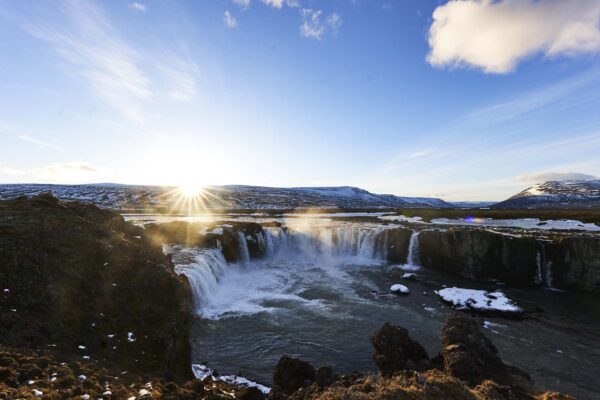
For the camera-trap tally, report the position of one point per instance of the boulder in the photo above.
(396, 351)
(291, 374)
(470, 356)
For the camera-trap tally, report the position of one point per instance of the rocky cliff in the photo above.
(83, 282)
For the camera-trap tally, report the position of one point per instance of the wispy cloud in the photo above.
(88, 42)
(39, 142)
(138, 7)
(495, 36)
(313, 26)
(244, 4)
(555, 176)
(229, 20)
(75, 171)
(180, 78)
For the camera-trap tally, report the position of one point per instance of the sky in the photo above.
(463, 100)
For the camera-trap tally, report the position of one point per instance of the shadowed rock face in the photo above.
(480, 255)
(291, 374)
(470, 356)
(395, 350)
(563, 262)
(397, 244)
(76, 275)
(190, 234)
(574, 263)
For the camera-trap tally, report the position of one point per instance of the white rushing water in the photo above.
(294, 256)
(414, 256)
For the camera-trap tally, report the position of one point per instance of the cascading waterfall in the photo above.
(332, 243)
(213, 281)
(203, 273)
(244, 252)
(414, 256)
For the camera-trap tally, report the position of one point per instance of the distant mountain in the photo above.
(472, 204)
(136, 197)
(556, 194)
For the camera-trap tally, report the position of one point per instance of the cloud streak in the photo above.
(39, 142)
(555, 176)
(495, 36)
(87, 41)
(229, 20)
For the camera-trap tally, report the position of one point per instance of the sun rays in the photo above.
(189, 198)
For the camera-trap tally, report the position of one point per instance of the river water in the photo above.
(324, 288)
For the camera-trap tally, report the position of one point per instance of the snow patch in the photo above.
(202, 372)
(399, 289)
(480, 300)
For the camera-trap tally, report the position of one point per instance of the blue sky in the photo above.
(462, 100)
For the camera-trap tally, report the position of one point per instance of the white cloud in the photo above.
(94, 50)
(311, 26)
(75, 171)
(335, 22)
(274, 3)
(555, 176)
(495, 36)
(229, 19)
(39, 142)
(314, 27)
(242, 3)
(138, 6)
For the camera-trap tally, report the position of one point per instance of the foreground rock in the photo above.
(470, 356)
(85, 284)
(395, 351)
(468, 368)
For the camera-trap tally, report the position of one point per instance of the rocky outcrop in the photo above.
(397, 244)
(470, 356)
(84, 283)
(468, 368)
(228, 236)
(291, 374)
(395, 351)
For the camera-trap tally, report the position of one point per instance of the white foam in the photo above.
(202, 372)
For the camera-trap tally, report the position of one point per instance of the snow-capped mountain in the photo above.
(556, 194)
(133, 197)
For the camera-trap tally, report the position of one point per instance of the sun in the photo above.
(191, 189)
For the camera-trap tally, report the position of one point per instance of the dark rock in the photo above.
(78, 273)
(397, 244)
(395, 350)
(251, 393)
(291, 374)
(470, 356)
(325, 376)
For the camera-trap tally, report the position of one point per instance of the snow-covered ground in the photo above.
(524, 223)
(479, 300)
(202, 372)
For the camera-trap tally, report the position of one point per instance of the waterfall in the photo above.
(213, 280)
(338, 243)
(203, 273)
(414, 256)
(538, 272)
(244, 253)
(543, 268)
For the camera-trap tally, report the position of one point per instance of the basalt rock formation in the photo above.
(555, 260)
(82, 282)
